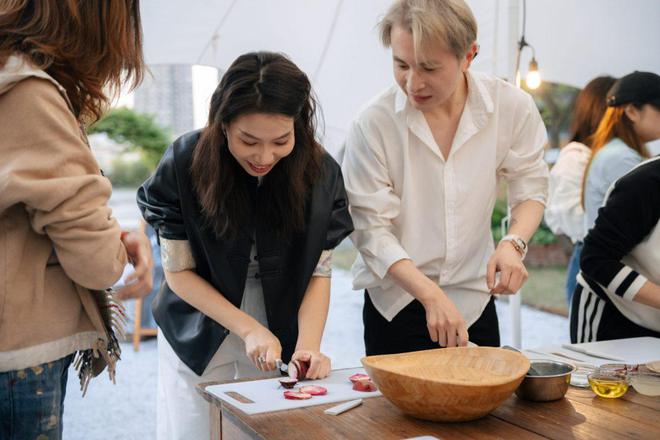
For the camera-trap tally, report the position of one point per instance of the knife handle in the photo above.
(336, 410)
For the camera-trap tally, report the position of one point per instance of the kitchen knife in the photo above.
(336, 410)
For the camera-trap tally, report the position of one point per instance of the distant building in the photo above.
(167, 93)
(177, 95)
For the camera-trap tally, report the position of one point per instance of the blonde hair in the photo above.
(448, 22)
(615, 123)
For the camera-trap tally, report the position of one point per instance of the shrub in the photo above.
(129, 173)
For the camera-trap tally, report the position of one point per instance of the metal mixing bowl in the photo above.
(545, 381)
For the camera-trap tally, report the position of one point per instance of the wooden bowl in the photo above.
(448, 384)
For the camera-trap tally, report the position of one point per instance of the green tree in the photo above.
(129, 174)
(139, 131)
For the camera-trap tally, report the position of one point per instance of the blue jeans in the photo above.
(32, 401)
(572, 272)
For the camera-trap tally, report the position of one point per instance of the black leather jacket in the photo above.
(169, 203)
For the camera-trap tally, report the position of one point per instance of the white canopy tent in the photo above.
(336, 43)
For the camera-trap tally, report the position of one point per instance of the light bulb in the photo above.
(533, 78)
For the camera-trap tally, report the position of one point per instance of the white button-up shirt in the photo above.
(408, 202)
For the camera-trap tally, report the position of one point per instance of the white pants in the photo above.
(181, 413)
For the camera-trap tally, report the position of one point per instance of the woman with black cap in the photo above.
(618, 291)
(619, 143)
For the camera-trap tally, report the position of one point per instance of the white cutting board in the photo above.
(630, 350)
(268, 395)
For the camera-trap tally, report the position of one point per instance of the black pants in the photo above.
(595, 318)
(408, 331)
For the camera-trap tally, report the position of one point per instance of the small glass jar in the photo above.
(610, 380)
(645, 381)
(579, 378)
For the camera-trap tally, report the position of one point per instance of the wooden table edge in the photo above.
(235, 414)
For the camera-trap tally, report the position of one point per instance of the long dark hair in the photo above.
(260, 82)
(589, 108)
(91, 47)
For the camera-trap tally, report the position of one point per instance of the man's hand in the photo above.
(445, 323)
(508, 262)
(140, 282)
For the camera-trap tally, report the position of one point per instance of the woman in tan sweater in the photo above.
(59, 245)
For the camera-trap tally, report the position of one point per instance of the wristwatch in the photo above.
(518, 244)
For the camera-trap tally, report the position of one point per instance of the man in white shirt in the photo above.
(421, 167)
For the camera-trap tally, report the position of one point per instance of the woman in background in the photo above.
(619, 143)
(564, 213)
(618, 292)
(58, 241)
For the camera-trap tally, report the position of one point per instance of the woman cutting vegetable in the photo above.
(247, 211)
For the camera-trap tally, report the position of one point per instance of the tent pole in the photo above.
(514, 65)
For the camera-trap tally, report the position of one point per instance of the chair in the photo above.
(138, 331)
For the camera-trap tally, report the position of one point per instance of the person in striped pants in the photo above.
(618, 290)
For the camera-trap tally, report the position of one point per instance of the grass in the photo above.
(544, 289)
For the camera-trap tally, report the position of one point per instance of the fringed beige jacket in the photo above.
(58, 239)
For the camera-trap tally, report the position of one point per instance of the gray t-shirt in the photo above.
(613, 161)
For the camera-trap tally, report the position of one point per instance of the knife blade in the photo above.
(284, 368)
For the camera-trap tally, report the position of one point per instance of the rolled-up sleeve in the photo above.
(176, 255)
(524, 167)
(158, 199)
(324, 266)
(374, 204)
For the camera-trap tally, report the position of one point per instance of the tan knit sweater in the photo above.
(56, 230)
